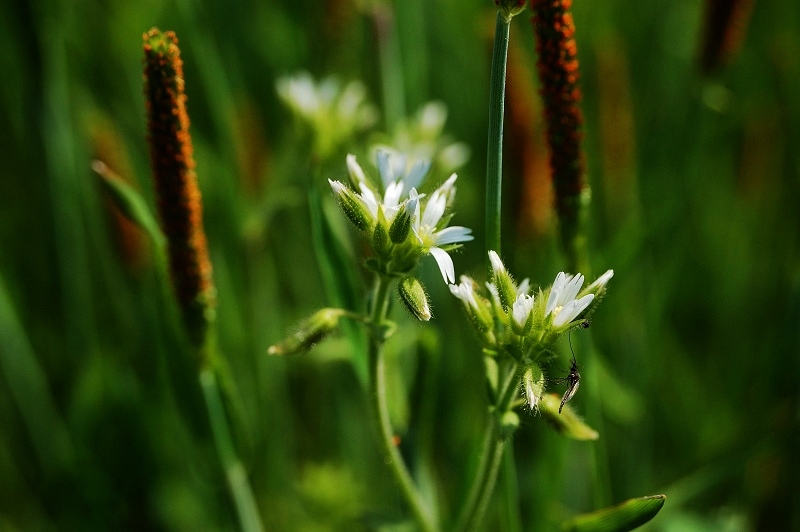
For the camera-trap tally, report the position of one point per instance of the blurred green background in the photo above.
(691, 367)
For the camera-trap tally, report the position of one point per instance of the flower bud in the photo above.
(533, 386)
(401, 226)
(506, 289)
(478, 309)
(311, 331)
(599, 286)
(356, 172)
(413, 296)
(352, 207)
(510, 8)
(380, 238)
(521, 315)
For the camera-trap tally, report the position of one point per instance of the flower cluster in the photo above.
(334, 112)
(515, 322)
(402, 224)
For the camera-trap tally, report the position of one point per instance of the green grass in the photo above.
(692, 372)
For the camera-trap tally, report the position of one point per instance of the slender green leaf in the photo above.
(628, 515)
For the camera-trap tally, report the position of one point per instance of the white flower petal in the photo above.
(368, 197)
(465, 291)
(352, 96)
(555, 292)
(393, 192)
(337, 186)
(434, 210)
(497, 265)
(451, 235)
(448, 185)
(524, 286)
(383, 158)
(417, 173)
(355, 170)
(445, 264)
(571, 290)
(572, 310)
(601, 281)
(495, 294)
(522, 309)
(432, 118)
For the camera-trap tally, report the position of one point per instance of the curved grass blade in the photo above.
(628, 515)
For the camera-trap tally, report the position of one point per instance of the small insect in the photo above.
(573, 380)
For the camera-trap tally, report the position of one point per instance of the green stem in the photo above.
(494, 156)
(390, 65)
(491, 457)
(236, 475)
(478, 481)
(511, 489)
(380, 408)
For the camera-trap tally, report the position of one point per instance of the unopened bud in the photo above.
(506, 290)
(522, 315)
(352, 207)
(413, 296)
(311, 331)
(380, 239)
(510, 8)
(401, 226)
(599, 286)
(533, 386)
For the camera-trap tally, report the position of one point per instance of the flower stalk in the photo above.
(380, 406)
(180, 209)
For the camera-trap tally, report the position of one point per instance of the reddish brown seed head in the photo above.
(179, 201)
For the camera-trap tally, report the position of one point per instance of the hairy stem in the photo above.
(380, 409)
(491, 456)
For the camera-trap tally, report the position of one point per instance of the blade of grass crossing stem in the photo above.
(338, 279)
(130, 202)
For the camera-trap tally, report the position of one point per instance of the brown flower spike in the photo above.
(179, 202)
(559, 75)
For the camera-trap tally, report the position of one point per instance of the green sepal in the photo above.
(506, 290)
(628, 515)
(567, 423)
(401, 227)
(354, 210)
(380, 238)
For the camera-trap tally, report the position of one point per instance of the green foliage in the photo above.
(695, 184)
